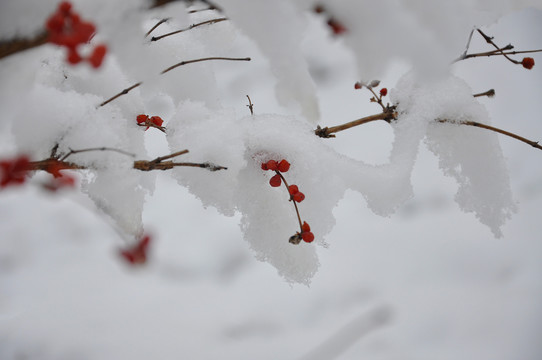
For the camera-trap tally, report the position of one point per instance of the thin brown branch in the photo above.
(489, 40)
(387, 116)
(155, 26)
(103, 148)
(489, 93)
(250, 106)
(534, 144)
(203, 59)
(12, 46)
(175, 154)
(127, 90)
(208, 22)
(123, 92)
(149, 124)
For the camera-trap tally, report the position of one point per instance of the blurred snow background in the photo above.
(426, 282)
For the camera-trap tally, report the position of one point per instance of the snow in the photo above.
(397, 269)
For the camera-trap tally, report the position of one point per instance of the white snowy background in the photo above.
(396, 271)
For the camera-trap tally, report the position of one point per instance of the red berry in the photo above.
(272, 165)
(142, 118)
(318, 9)
(73, 56)
(157, 120)
(283, 166)
(293, 189)
(307, 236)
(298, 196)
(14, 171)
(305, 227)
(357, 85)
(137, 254)
(97, 56)
(383, 92)
(55, 23)
(275, 181)
(336, 26)
(527, 63)
(264, 166)
(65, 7)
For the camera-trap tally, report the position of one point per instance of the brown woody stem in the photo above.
(12, 46)
(208, 22)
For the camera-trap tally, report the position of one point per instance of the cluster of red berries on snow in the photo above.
(66, 28)
(296, 196)
(137, 254)
(154, 121)
(13, 171)
(528, 63)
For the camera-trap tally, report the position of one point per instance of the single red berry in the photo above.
(65, 7)
(336, 26)
(275, 181)
(14, 171)
(97, 56)
(293, 189)
(264, 166)
(142, 118)
(55, 23)
(307, 236)
(527, 63)
(272, 165)
(298, 196)
(73, 56)
(318, 9)
(157, 120)
(383, 92)
(137, 254)
(357, 85)
(283, 166)
(305, 227)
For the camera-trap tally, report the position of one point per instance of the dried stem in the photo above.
(208, 22)
(12, 46)
(155, 26)
(71, 152)
(534, 144)
(489, 40)
(125, 91)
(387, 116)
(291, 199)
(250, 106)
(489, 93)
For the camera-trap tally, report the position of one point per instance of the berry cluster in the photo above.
(296, 196)
(373, 84)
(14, 171)
(137, 254)
(153, 121)
(528, 63)
(66, 28)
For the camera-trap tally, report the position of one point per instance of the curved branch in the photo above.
(13, 46)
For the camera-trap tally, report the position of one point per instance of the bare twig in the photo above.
(155, 26)
(208, 22)
(72, 152)
(250, 106)
(12, 46)
(489, 93)
(534, 144)
(125, 91)
(387, 116)
(160, 164)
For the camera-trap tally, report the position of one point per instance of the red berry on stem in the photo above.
(272, 165)
(264, 166)
(307, 236)
(336, 26)
(97, 56)
(305, 227)
(527, 63)
(142, 118)
(73, 56)
(157, 120)
(65, 7)
(383, 92)
(357, 85)
(293, 189)
(275, 181)
(283, 166)
(298, 196)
